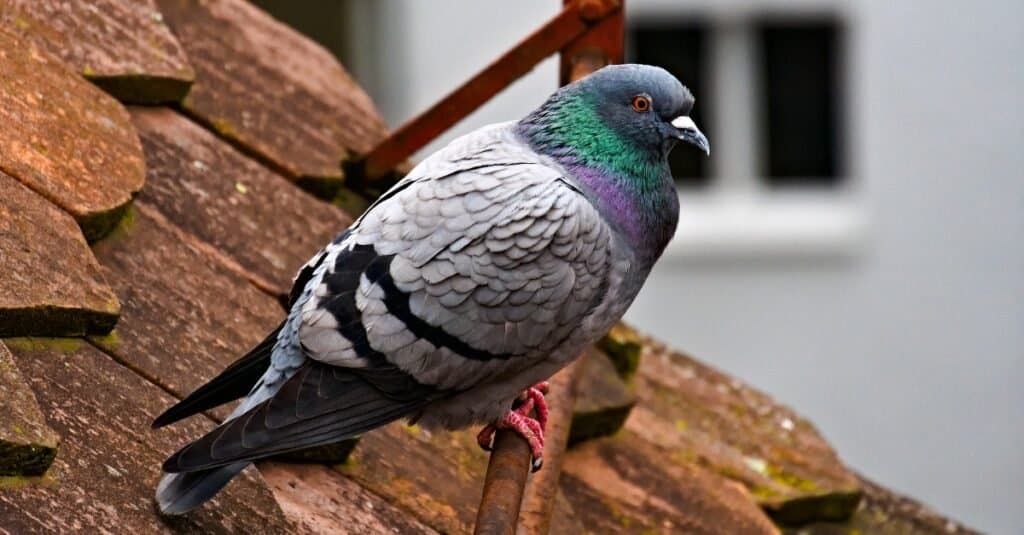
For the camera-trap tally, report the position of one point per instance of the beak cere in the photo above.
(688, 132)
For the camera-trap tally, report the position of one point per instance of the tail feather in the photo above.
(234, 382)
(179, 493)
(319, 404)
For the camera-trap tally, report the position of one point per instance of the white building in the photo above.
(881, 291)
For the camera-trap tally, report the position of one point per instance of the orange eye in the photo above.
(642, 103)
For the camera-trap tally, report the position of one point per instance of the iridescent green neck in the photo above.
(569, 129)
(630, 183)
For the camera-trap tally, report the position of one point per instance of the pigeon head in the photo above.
(622, 118)
(613, 131)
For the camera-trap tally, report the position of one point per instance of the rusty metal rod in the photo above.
(509, 467)
(539, 501)
(506, 477)
(573, 21)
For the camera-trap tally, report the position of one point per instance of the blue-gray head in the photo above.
(625, 118)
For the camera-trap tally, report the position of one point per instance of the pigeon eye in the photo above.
(642, 103)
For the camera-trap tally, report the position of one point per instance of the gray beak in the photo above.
(689, 133)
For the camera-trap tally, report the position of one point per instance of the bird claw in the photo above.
(533, 399)
(518, 419)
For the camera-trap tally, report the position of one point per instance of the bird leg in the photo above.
(518, 419)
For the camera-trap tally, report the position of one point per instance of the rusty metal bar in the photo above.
(503, 501)
(506, 477)
(604, 44)
(573, 21)
(509, 467)
(539, 500)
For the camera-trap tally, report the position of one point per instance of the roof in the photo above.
(145, 248)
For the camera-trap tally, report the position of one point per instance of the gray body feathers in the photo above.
(482, 272)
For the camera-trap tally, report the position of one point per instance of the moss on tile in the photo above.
(31, 343)
(25, 459)
(27, 443)
(828, 507)
(350, 201)
(603, 403)
(48, 320)
(98, 224)
(623, 346)
(141, 88)
(606, 422)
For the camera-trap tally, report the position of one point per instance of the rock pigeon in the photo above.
(492, 265)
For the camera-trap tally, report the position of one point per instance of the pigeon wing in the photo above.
(476, 266)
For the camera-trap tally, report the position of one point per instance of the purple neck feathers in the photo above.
(645, 217)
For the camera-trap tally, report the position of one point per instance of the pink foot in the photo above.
(518, 419)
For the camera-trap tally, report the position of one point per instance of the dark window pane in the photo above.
(681, 50)
(802, 102)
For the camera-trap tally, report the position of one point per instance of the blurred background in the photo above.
(854, 244)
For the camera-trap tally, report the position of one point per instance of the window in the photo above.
(795, 67)
(770, 95)
(680, 49)
(800, 104)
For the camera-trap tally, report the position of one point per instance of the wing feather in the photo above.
(234, 382)
(320, 404)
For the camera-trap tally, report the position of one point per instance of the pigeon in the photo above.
(466, 285)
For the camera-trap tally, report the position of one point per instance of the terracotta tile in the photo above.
(327, 502)
(65, 138)
(697, 415)
(27, 443)
(122, 46)
(437, 476)
(263, 222)
(623, 485)
(884, 512)
(109, 459)
(51, 283)
(184, 316)
(271, 91)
